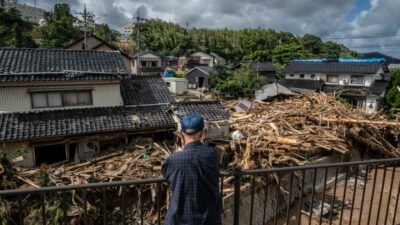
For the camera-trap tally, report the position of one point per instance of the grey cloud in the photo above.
(318, 17)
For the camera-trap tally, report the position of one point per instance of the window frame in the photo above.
(351, 79)
(62, 92)
(312, 76)
(302, 76)
(337, 78)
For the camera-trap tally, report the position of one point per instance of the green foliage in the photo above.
(241, 82)
(54, 213)
(13, 30)
(392, 98)
(104, 32)
(284, 54)
(179, 74)
(43, 178)
(58, 30)
(255, 44)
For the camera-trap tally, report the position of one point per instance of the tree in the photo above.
(104, 32)
(58, 30)
(13, 29)
(392, 98)
(284, 54)
(241, 82)
(313, 44)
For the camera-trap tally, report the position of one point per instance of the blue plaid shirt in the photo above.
(194, 177)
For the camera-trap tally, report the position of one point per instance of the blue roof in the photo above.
(340, 60)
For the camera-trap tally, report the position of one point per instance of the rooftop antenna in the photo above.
(139, 20)
(86, 16)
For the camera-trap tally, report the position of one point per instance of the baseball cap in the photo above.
(192, 123)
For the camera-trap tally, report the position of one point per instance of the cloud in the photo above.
(318, 17)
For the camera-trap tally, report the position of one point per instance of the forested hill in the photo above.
(389, 59)
(237, 45)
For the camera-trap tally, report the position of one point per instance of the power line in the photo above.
(365, 36)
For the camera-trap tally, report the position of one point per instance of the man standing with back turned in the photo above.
(193, 175)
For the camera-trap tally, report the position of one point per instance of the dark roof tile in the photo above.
(32, 125)
(211, 111)
(23, 60)
(263, 67)
(301, 85)
(145, 89)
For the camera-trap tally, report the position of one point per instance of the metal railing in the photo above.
(289, 195)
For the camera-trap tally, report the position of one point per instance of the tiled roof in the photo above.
(18, 126)
(263, 67)
(333, 67)
(146, 89)
(25, 61)
(301, 85)
(377, 88)
(206, 69)
(345, 90)
(59, 77)
(211, 111)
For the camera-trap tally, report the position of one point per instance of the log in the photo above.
(26, 180)
(365, 122)
(95, 160)
(283, 140)
(247, 154)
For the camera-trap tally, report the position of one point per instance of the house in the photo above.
(217, 59)
(96, 43)
(127, 29)
(361, 81)
(198, 76)
(70, 105)
(200, 58)
(67, 104)
(150, 63)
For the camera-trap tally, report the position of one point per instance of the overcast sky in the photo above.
(325, 18)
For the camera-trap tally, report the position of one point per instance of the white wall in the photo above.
(203, 56)
(177, 86)
(17, 99)
(368, 78)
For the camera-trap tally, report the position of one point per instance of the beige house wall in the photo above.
(146, 57)
(18, 99)
(203, 58)
(94, 42)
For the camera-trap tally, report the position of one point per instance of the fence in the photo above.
(361, 192)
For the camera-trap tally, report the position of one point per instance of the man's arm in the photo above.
(165, 169)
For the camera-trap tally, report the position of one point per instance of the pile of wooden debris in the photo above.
(287, 132)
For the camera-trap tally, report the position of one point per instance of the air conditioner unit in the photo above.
(316, 78)
(345, 81)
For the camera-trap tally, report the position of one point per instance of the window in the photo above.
(357, 79)
(332, 78)
(312, 76)
(206, 61)
(148, 63)
(291, 75)
(168, 84)
(61, 99)
(301, 75)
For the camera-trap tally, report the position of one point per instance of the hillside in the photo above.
(389, 59)
(255, 44)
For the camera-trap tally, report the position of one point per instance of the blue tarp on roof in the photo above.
(340, 60)
(168, 74)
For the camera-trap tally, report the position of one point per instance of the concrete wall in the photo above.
(18, 99)
(177, 86)
(11, 147)
(258, 207)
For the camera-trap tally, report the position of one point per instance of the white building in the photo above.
(177, 85)
(29, 13)
(361, 82)
(127, 29)
(80, 22)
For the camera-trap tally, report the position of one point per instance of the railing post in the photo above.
(238, 176)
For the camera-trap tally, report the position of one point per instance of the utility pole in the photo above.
(86, 15)
(137, 24)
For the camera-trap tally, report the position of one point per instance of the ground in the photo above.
(376, 210)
